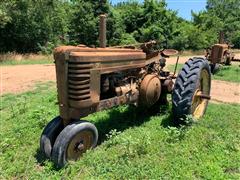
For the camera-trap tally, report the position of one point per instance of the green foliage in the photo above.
(171, 67)
(131, 146)
(8, 62)
(31, 26)
(17, 59)
(115, 28)
(4, 14)
(236, 39)
(127, 39)
(32, 23)
(228, 73)
(221, 16)
(191, 37)
(225, 73)
(149, 21)
(84, 23)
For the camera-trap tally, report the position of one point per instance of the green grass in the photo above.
(137, 147)
(171, 68)
(226, 73)
(18, 59)
(26, 61)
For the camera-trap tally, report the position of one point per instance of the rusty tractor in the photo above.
(219, 54)
(94, 79)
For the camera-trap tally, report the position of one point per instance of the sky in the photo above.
(183, 7)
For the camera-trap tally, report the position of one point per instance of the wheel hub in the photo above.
(80, 146)
(80, 143)
(201, 95)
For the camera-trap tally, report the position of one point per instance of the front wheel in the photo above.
(49, 135)
(74, 140)
(191, 92)
(215, 68)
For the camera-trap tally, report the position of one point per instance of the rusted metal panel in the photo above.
(95, 57)
(95, 86)
(67, 49)
(75, 71)
(169, 52)
(79, 91)
(80, 97)
(106, 70)
(79, 71)
(150, 90)
(75, 83)
(80, 104)
(77, 86)
(218, 52)
(62, 80)
(116, 101)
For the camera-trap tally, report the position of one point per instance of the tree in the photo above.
(40, 25)
(148, 21)
(4, 14)
(220, 15)
(33, 24)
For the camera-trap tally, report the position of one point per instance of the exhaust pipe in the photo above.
(102, 31)
(221, 37)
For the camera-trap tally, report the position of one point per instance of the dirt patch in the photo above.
(237, 55)
(182, 59)
(223, 91)
(16, 79)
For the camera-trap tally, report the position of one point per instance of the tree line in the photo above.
(40, 25)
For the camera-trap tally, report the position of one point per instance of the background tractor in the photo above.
(219, 54)
(93, 79)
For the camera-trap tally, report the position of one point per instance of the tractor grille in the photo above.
(79, 81)
(217, 53)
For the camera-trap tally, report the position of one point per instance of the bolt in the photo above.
(80, 147)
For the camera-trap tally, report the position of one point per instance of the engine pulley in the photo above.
(150, 90)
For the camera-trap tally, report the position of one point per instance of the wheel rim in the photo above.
(80, 143)
(201, 95)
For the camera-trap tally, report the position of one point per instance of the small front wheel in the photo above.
(75, 139)
(49, 135)
(192, 89)
(215, 68)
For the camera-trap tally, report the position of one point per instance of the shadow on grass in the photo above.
(118, 120)
(121, 120)
(168, 121)
(132, 117)
(40, 157)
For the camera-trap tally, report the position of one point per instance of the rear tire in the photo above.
(192, 83)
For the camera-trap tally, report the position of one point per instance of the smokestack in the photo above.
(221, 38)
(102, 31)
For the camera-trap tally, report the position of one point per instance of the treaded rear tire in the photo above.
(186, 84)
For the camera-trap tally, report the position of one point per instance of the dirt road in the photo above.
(182, 59)
(20, 78)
